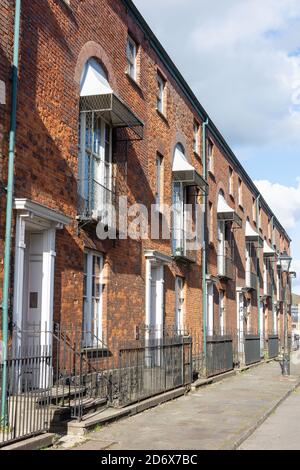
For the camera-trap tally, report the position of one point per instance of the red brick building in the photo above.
(103, 112)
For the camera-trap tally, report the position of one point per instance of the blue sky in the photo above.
(242, 59)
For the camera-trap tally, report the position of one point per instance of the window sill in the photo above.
(134, 82)
(162, 116)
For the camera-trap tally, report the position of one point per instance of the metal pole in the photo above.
(10, 185)
(286, 370)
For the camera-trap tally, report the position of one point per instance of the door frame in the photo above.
(32, 216)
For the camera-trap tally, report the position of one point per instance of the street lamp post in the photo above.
(285, 263)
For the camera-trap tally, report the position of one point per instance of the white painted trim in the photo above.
(156, 256)
(34, 209)
(19, 278)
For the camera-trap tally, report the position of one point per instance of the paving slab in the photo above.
(215, 417)
(281, 431)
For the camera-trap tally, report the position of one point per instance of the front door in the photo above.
(240, 322)
(261, 327)
(33, 290)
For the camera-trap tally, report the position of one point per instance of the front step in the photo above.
(70, 410)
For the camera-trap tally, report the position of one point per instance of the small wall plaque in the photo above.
(33, 300)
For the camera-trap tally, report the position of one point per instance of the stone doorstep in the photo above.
(110, 414)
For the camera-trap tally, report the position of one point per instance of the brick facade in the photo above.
(56, 41)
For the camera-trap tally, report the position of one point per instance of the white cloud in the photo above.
(237, 57)
(284, 201)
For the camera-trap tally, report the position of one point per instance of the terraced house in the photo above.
(106, 122)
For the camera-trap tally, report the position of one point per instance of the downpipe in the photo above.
(204, 254)
(9, 204)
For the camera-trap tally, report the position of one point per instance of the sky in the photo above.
(242, 60)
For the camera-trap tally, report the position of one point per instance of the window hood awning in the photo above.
(225, 212)
(113, 110)
(184, 172)
(251, 234)
(268, 251)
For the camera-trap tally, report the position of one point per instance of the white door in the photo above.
(221, 312)
(261, 327)
(33, 290)
(240, 321)
(179, 304)
(210, 309)
(156, 302)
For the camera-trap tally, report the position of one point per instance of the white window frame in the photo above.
(210, 156)
(95, 169)
(92, 318)
(159, 181)
(240, 192)
(196, 140)
(161, 86)
(231, 188)
(131, 56)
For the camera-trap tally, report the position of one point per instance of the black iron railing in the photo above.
(273, 346)
(252, 348)
(219, 354)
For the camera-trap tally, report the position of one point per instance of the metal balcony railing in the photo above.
(183, 246)
(96, 202)
(251, 280)
(225, 267)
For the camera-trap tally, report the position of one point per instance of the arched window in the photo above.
(95, 147)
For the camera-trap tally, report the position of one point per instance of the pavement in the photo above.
(219, 416)
(281, 431)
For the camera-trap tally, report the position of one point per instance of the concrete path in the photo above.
(215, 417)
(281, 431)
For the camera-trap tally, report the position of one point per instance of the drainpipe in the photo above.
(9, 202)
(273, 266)
(258, 267)
(204, 293)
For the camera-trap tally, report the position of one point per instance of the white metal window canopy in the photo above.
(226, 213)
(268, 251)
(185, 173)
(97, 96)
(251, 234)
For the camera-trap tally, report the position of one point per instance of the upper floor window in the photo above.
(231, 185)
(159, 181)
(210, 156)
(95, 149)
(240, 192)
(211, 222)
(254, 209)
(260, 218)
(196, 137)
(270, 229)
(161, 85)
(131, 55)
